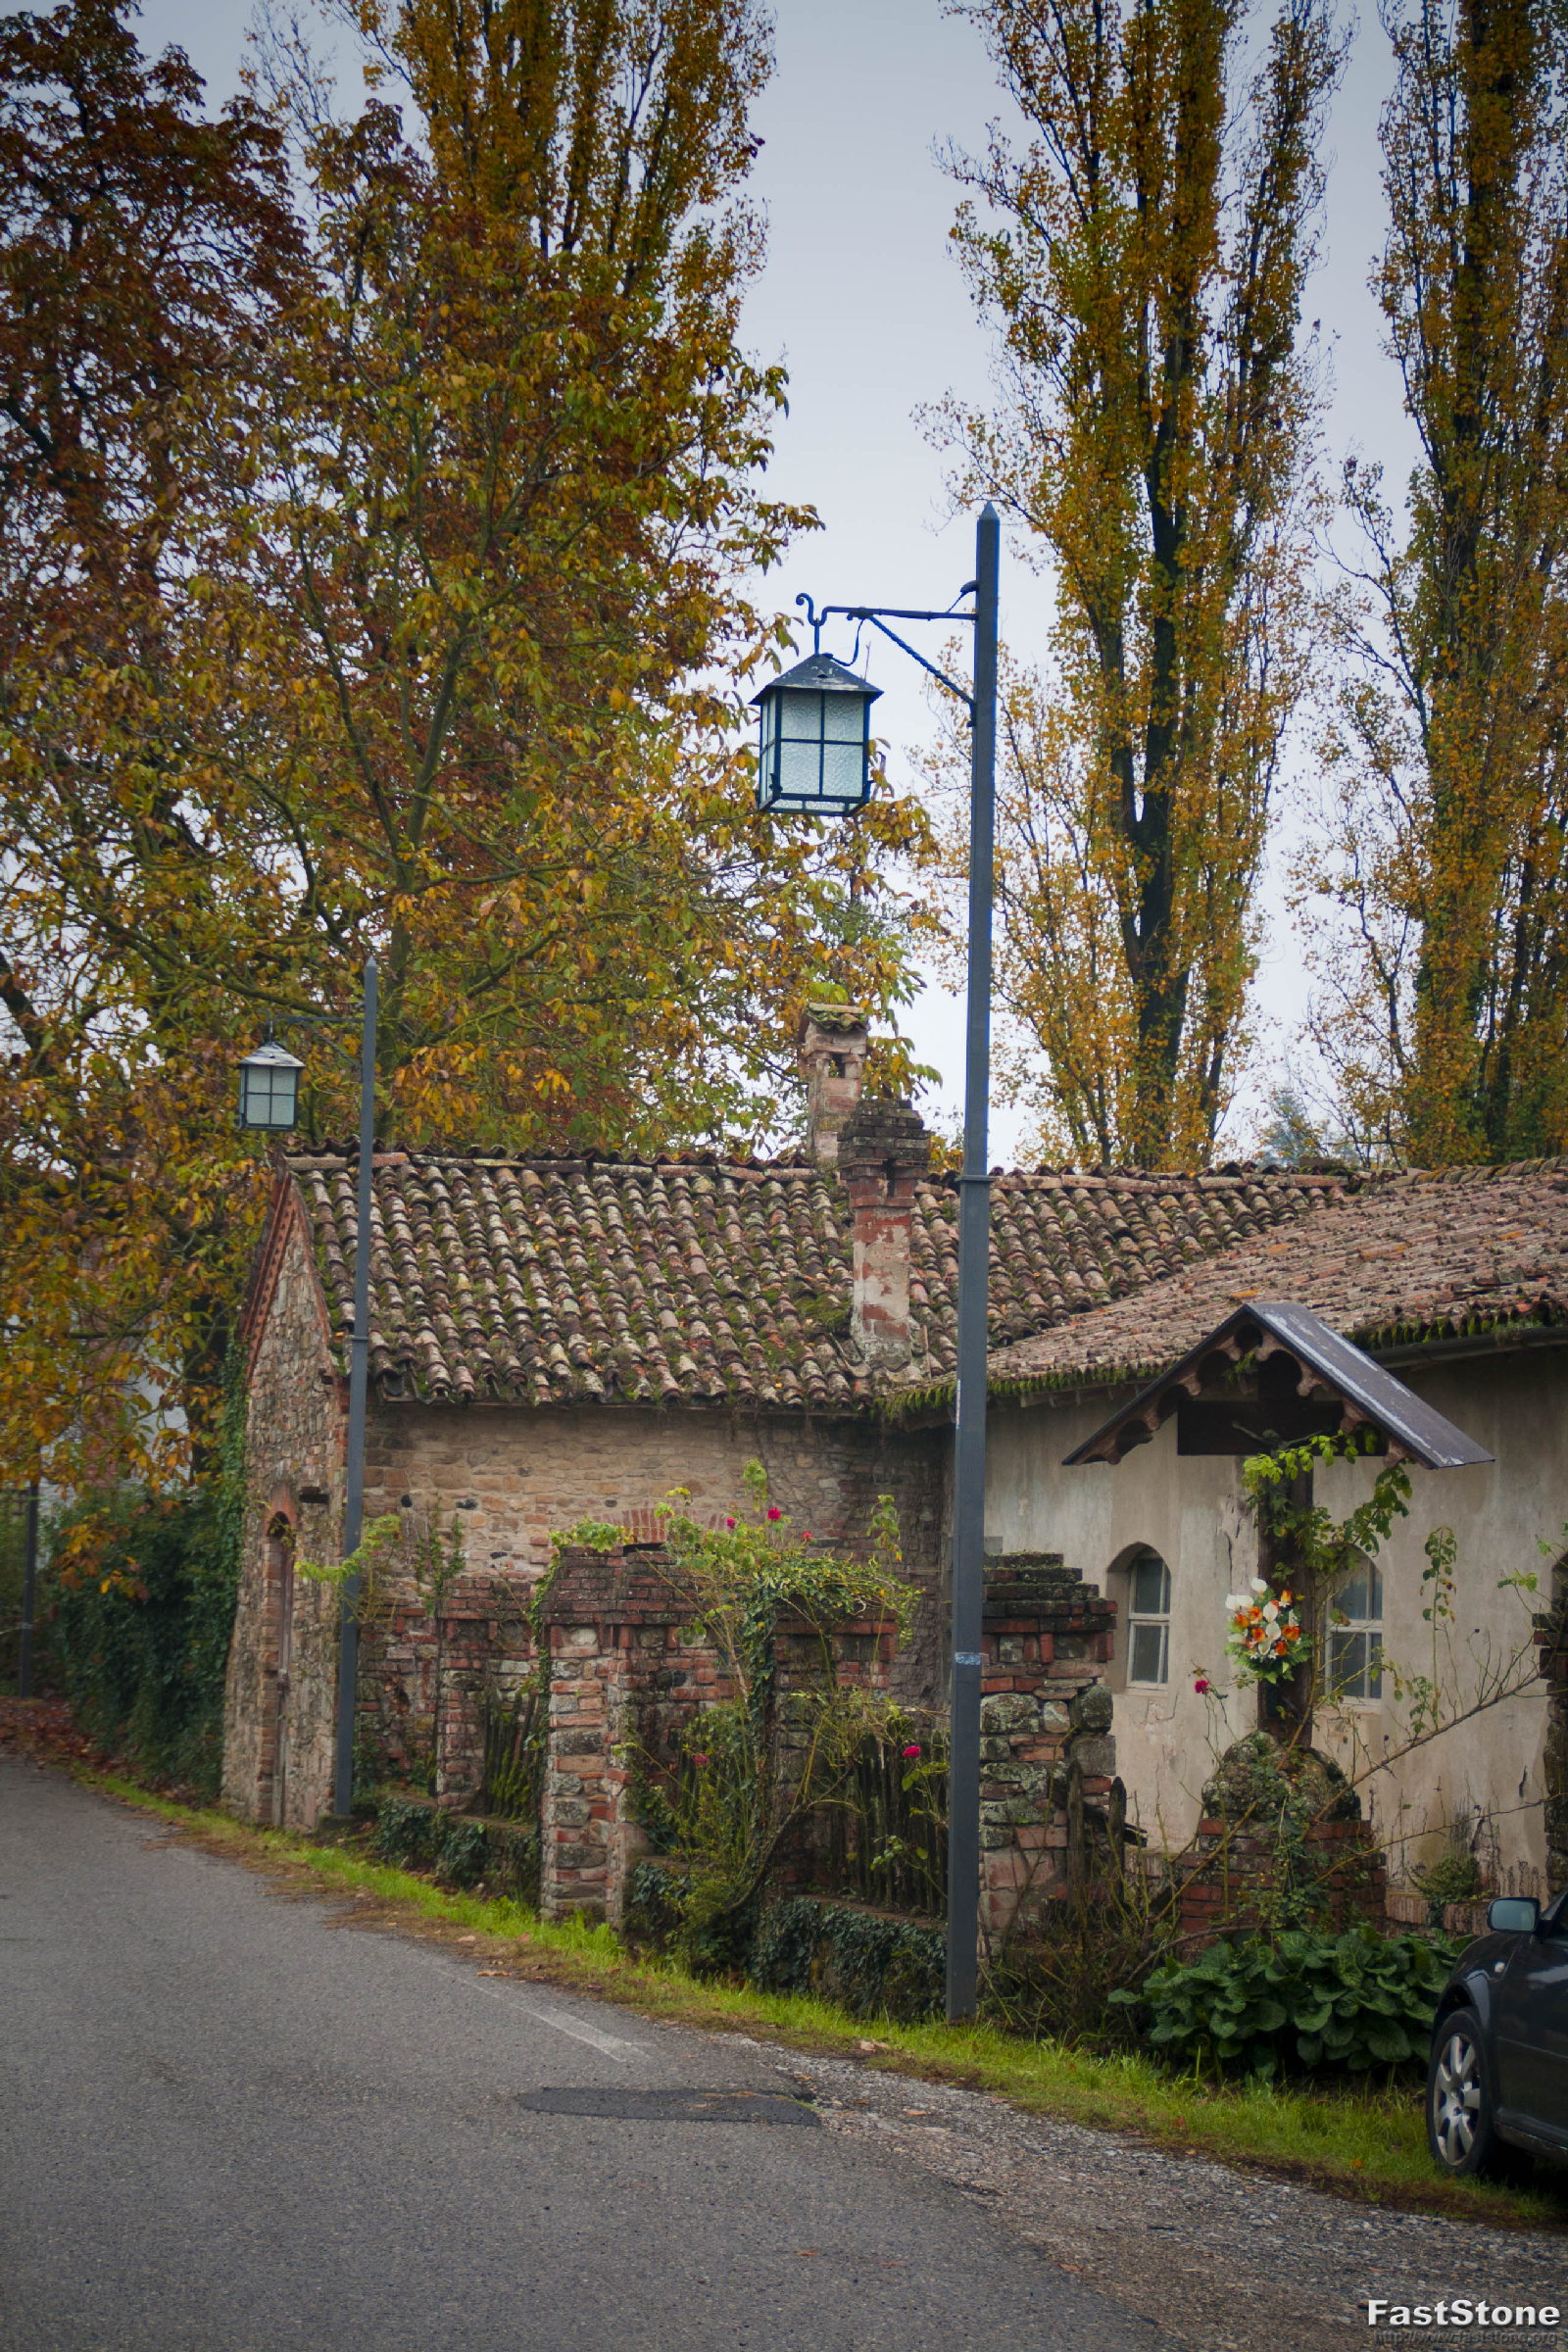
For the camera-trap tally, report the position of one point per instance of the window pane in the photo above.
(1351, 1673)
(843, 719)
(1360, 1597)
(1147, 1657)
(1343, 1663)
(1151, 1594)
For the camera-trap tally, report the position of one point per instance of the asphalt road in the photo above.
(228, 2126)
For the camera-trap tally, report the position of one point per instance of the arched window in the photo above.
(1148, 1618)
(1355, 1636)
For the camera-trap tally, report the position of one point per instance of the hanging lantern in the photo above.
(269, 1088)
(813, 754)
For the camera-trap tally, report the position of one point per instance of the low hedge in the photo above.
(868, 1963)
(464, 1849)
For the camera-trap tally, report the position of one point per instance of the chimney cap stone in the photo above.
(834, 1020)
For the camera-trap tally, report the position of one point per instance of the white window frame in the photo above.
(1366, 1687)
(1159, 1618)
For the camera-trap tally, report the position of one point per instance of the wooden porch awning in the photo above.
(1306, 1381)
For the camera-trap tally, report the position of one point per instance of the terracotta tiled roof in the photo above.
(1414, 1256)
(561, 1281)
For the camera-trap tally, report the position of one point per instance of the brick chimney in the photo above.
(883, 1151)
(833, 1042)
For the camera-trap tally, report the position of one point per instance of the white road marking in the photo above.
(612, 2045)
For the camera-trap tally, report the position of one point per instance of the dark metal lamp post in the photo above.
(814, 758)
(270, 1081)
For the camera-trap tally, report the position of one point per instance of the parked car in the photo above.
(1498, 2076)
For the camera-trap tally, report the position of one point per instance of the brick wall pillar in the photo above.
(1048, 1761)
(618, 1658)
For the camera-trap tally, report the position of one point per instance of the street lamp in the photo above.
(269, 1088)
(262, 1074)
(785, 781)
(814, 754)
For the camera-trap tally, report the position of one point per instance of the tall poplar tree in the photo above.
(1142, 259)
(1446, 1013)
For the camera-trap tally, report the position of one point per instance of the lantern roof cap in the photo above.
(820, 673)
(271, 1056)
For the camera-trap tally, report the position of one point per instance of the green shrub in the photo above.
(407, 1832)
(136, 1611)
(1454, 1878)
(870, 1964)
(1301, 2001)
(415, 1835)
(460, 1848)
(511, 1859)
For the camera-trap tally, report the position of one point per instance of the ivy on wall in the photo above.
(139, 1596)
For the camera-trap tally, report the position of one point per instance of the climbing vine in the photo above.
(748, 1770)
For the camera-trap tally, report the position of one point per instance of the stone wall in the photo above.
(511, 1477)
(281, 1689)
(626, 1671)
(425, 1675)
(1282, 1842)
(1552, 1641)
(617, 1647)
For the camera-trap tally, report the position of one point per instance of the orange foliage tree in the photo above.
(374, 576)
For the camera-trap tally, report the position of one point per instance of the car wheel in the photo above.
(1461, 2130)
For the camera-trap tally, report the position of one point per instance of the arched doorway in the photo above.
(280, 1612)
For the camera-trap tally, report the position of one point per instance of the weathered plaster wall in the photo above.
(1189, 1510)
(294, 1448)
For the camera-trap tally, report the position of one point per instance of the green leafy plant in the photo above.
(1267, 2005)
(369, 1561)
(870, 1964)
(413, 1833)
(137, 1593)
(1454, 1878)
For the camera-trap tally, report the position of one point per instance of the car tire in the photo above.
(1461, 2115)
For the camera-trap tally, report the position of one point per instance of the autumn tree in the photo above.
(1446, 996)
(432, 651)
(1142, 258)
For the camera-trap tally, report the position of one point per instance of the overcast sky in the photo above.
(862, 298)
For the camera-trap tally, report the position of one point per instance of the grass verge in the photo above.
(1369, 2145)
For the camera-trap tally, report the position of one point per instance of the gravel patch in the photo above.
(1219, 2260)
